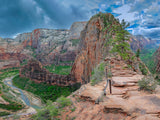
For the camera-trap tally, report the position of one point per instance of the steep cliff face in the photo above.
(49, 46)
(76, 29)
(93, 47)
(10, 53)
(35, 71)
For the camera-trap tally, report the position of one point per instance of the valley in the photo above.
(63, 73)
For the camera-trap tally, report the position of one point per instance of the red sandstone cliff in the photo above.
(92, 48)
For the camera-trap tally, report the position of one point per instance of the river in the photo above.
(8, 82)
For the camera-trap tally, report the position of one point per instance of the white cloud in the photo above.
(125, 14)
(15, 35)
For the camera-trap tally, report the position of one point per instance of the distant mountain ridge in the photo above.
(52, 46)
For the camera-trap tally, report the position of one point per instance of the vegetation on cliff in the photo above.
(60, 70)
(43, 90)
(147, 56)
(14, 104)
(52, 110)
(148, 83)
(98, 73)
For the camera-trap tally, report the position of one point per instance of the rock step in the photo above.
(123, 84)
(123, 73)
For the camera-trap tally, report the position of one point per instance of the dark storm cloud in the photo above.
(17, 16)
(62, 16)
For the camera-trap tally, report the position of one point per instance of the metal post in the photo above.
(110, 87)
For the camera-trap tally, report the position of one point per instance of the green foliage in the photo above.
(4, 90)
(75, 42)
(24, 62)
(8, 74)
(98, 74)
(60, 70)
(138, 53)
(51, 111)
(9, 69)
(120, 43)
(63, 51)
(143, 69)
(4, 114)
(43, 90)
(63, 102)
(14, 106)
(147, 83)
(73, 109)
(147, 56)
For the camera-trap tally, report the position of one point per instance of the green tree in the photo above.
(121, 41)
(138, 53)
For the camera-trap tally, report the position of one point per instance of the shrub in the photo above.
(51, 111)
(143, 69)
(4, 113)
(148, 84)
(63, 102)
(98, 74)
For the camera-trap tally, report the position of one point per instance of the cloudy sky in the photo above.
(18, 16)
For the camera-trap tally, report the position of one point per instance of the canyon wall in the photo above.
(93, 48)
(37, 73)
(49, 46)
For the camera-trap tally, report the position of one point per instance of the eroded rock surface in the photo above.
(125, 102)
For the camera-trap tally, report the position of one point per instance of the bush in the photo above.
(62, 101)
(98, 74)
(148, 84)
(51, 111)
(4, 113)
(143, 69)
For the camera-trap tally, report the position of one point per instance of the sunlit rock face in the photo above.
(92, 49)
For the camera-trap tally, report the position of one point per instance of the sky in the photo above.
(19, 16)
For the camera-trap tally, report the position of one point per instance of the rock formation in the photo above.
(125, 102)
(35, 71)
(93, 47)
(46, 45)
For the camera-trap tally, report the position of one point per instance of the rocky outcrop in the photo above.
(76, 29)
(10, 54)
(124, 102)
(37, 73)
(93, 48)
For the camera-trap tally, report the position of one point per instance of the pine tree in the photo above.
(138, 53)
(121, 41)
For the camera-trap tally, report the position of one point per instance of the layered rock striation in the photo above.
(93, 47)
(49, 46)
(35, 71)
